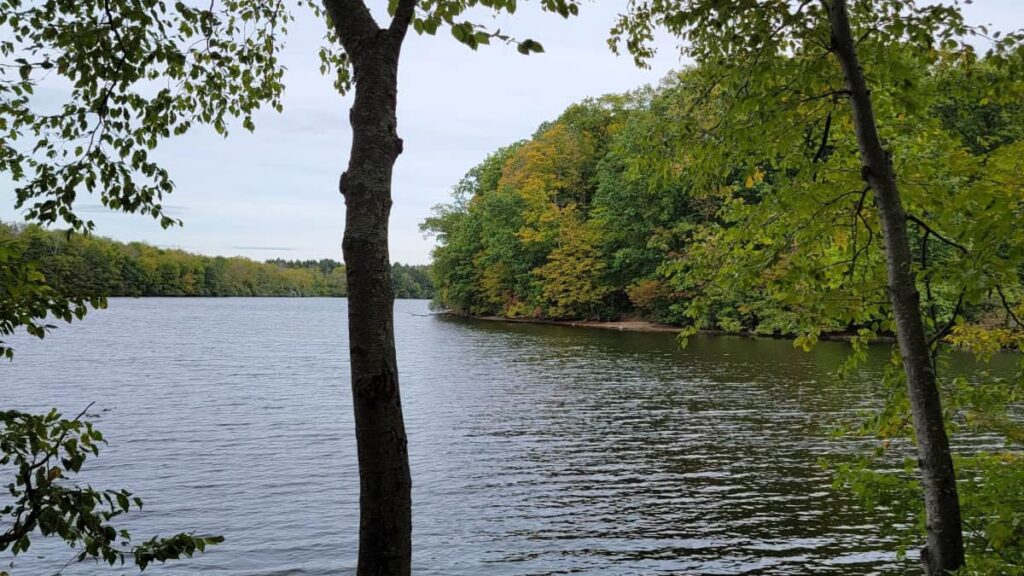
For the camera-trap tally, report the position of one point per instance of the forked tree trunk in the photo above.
(385, 503)
(945, 551)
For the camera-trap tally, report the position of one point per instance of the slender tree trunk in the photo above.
(385, 503)
(944, 552)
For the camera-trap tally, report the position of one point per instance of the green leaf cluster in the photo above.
(44, 453)
(27, 301)
(433, 15)
(126, 74)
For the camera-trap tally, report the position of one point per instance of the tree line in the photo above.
(95, 267)
(603, 213)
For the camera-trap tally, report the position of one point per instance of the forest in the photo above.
(605, 213)
(97, 267)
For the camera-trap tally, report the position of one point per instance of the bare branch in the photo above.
(858, 213)
(948, 326)
(932, 231)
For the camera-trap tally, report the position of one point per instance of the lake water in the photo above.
(535, 449)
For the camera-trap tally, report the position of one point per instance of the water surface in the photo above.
(535, 450)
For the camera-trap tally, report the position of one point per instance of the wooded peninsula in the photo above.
(625, 206)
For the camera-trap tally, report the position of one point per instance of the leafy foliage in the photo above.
(430, 16)
(129, 73)
(731, 197)
(44, 452)
(735, 238)
(27, 300)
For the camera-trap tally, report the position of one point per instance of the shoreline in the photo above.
(645, 326)
(617, 325)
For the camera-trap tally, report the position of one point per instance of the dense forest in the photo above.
(642, 204)
(92, 266)
(782, 196)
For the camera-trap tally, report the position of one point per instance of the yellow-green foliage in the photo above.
(570, 281)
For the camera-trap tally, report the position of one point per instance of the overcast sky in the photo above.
(274, 193)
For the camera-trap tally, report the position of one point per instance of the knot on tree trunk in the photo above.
(377, 387)
(343, 183)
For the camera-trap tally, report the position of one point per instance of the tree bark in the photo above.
(944, 551)
(385, 502)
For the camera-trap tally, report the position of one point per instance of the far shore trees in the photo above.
(93, 267)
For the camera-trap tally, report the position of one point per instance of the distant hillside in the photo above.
(97, 266)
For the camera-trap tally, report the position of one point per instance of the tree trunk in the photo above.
(944, 551)
(385, 503)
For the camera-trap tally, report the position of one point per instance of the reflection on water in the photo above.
(535, 449)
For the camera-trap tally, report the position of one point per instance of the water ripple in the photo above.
(536, 450)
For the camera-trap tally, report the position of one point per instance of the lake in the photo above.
(535, 450)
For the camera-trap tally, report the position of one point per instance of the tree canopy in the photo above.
(706, 209)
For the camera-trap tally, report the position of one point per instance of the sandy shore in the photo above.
(619, 325)
(645, 326)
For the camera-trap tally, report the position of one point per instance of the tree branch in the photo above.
(858, 214)
(833, 94)
(823, 147)
(1007, 307)
(949, 325)
(352, 22)
(931, 231)
(55, 452)
(403, 16)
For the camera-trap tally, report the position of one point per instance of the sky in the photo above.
(273, 193)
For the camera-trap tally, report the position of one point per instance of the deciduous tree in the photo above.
(787, 53)
(368, 62)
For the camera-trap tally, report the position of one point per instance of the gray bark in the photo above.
(944, 551)
(385, 484)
